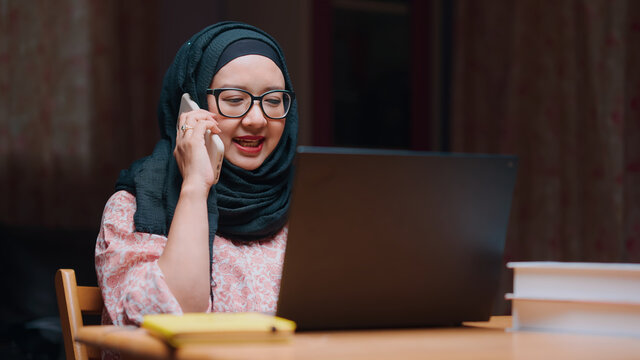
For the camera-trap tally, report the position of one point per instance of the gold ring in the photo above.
(185, 127)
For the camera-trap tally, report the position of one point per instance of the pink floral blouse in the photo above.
(244, 277)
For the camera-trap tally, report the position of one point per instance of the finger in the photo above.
(204, 116)
(182, 120)
(180, 125)
(191, 117)
(189, 132)
(185, 129)
(212, 126)
(199, 114)
(192, 121)
(197, 131)
(204, 113)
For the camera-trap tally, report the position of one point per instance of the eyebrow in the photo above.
(268, 88)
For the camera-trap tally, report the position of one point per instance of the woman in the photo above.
(170, 240)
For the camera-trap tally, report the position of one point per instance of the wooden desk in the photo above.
(486, 340)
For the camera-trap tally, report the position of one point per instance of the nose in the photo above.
(254, 118)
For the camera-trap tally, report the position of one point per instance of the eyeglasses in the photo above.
(236, 103)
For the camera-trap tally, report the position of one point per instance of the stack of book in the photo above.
(586, 298)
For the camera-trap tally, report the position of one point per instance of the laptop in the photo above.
(394, 239)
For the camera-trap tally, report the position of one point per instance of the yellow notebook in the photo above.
(190, 328)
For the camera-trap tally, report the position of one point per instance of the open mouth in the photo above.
(249, 143)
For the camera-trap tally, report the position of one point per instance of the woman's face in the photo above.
(248, 140)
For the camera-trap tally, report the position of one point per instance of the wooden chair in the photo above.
(73, 302)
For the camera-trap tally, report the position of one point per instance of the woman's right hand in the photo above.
(190, 151)
(188, 238)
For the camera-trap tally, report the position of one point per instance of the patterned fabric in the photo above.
(245, 276)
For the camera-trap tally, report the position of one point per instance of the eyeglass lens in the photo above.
(235, 103)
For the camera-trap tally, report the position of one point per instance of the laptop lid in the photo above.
(381, 238)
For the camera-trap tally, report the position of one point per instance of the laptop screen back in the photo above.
(381, 239)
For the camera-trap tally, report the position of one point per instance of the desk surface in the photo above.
(482, 340)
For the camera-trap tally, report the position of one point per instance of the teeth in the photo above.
(248, 143)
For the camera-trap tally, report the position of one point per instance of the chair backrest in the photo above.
(73, 302)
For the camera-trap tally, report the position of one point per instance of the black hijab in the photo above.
(244, 205)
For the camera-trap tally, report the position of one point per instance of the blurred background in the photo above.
(556, 82)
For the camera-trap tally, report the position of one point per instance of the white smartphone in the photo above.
(214, 144)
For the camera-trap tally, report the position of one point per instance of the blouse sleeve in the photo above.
(130, 279)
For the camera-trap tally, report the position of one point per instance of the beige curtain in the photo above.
(78, 93)
(558, 84)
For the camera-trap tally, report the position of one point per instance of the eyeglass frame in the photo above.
(216, 93)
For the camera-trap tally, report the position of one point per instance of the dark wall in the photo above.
(33, 251)
(30, 256)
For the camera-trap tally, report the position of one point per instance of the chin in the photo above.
(247, 164)
(250, 166)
